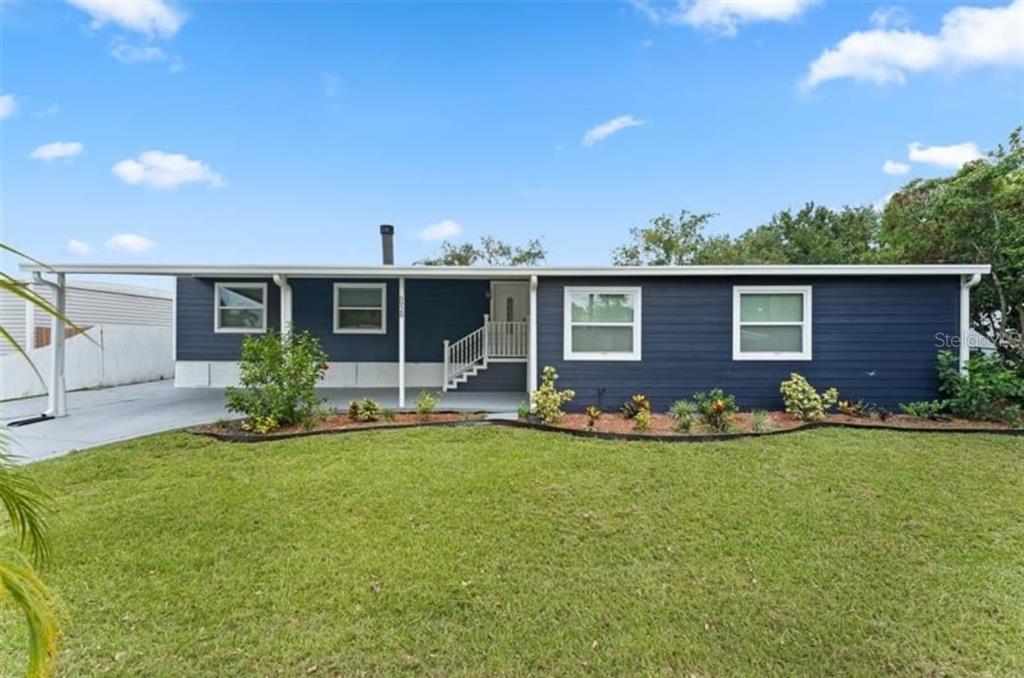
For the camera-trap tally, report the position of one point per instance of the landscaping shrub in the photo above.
(278, 376)
(853, 409)
(548, 400)
(364, 410)
(684, 412)
(426, 403)
(992, 390)
(642, 420)
(803, 402)
(760, 421)
(716, 408)
(635, 405)
(523, 411)
(924, 409)
(387, 414)
(593, 413)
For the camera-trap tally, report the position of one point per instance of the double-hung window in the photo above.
(360, 308)
(240, 307)
(602, 323)
(771, 323)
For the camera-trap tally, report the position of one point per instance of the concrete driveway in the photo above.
(108, 415)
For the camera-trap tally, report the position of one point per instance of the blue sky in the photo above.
(274, 132)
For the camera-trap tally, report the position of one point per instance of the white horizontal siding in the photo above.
(89, 305)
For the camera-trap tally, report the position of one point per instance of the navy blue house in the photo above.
(871, 331)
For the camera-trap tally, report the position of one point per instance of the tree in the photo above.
(27, 504)
(490, 252)
(813, 234)
(666, 242)
(974, 216)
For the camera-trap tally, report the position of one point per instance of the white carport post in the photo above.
(57, 401)
(531, 358)
(286, 302)
(401, 341)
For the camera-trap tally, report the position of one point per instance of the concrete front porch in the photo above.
(108, 415)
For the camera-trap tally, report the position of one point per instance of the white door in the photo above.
(510, 301)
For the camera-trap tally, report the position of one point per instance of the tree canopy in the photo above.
(489, 252)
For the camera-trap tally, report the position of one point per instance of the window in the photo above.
(602, 323)
(240, 307)
(360, 308)
(771, 323)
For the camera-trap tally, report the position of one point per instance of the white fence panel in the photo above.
(127, 354)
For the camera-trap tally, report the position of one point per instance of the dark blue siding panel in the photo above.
(195, 338)
(873, 338)
(312, 309)
(435, 310)
(498, 377)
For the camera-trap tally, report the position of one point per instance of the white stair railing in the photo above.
(495, 339)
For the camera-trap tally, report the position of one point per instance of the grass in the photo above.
(495, 552)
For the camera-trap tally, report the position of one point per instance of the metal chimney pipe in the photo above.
(387, 244)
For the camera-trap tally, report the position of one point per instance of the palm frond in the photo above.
(4, 246)
(21, 585)
(27, 505)
(22, 289)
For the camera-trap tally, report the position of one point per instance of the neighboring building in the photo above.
(871, 331)
(88, 304)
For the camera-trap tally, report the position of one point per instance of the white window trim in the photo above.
(383, 329)
(805, 354)
(637, 324)
(217, 308)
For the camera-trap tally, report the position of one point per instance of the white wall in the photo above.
(127, 354)
(219, 373)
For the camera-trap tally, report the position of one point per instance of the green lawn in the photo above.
(503, 552)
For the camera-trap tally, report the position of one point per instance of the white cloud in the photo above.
(150, 17)
(970, 37)
(78, 247)
(157, 169)
(722, 16)
(8, 105)
(606, 129)
(892, 16)
(952, 157)
(446, 228)
(127, 53)
(895, 168)
(130, 242)
(57, 150)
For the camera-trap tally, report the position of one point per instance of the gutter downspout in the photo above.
(531, 364)
(286, 302)
(966, 285)
(57, 400)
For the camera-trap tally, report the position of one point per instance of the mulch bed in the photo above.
(611, 426)
(335, 423)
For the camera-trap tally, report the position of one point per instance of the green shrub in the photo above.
(426, 403)
(924, 409)
(642, 420)
(278, 376)
(716, 409)
(548, 400)
(364, 410)
(853, 409)
(635, 405)
(387, 414)
(803, 402)
(992, 390)
(523, 411)
(761, 421)
(684, 412)
(593, 413)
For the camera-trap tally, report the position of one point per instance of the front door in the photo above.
(510, 301)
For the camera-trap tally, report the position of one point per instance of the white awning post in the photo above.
(401, 342)
(966, 283)
(286, 303)
(531, 369)
(57, 402)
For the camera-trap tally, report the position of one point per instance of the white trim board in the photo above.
(507, 272)
(223, 373)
